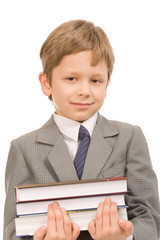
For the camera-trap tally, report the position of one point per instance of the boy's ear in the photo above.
(46, 89)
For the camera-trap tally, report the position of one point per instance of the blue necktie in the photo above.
(80, 157)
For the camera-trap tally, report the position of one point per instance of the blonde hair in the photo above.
(73, 37)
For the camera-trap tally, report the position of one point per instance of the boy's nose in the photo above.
(84, 89)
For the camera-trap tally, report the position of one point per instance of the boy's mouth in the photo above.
(81, 105)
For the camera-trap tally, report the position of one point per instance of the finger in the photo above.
(127, 227)
(99, 213)
(75, 231)
(58, 217)
(114, 214)
(51, 224)
(67, 224)
(106, 212)
(92, 228)
(40, 233)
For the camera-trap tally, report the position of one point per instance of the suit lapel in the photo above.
(59, 157)
(100, 149)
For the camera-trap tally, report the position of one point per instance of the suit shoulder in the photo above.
(122, 126)
(129, 130)
(31, 137)
(127, 126)
(28, 137)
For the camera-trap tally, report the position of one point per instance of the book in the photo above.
(79, 198)
(70, 204)
(37, 192)
(26, 226)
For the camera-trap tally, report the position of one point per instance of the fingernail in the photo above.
(114, 203)
(122, 221)
(55, 204)
(63, 210)
(107, 200)
(42, 229)
(100, 204)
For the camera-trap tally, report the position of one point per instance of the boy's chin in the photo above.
(81, 119)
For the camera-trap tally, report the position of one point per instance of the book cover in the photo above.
(81, 188)
(40, 207)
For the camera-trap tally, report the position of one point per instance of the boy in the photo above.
(77, 61)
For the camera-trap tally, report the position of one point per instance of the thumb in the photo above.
(75, 231)
(127, 227)
(40, 233)
(92, 228)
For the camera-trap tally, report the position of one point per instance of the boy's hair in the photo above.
(73, 37)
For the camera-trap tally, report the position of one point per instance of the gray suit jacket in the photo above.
(116, 149)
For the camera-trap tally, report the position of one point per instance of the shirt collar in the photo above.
(70, 128)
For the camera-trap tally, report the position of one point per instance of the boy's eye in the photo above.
(95, 81)
(70, 78)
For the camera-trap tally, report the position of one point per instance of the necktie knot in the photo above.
(83, 132)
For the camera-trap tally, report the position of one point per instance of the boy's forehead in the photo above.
(84, 57)
(73, 66)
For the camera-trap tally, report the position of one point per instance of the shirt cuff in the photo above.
(130, 238)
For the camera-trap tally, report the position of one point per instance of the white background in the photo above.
(133, 27)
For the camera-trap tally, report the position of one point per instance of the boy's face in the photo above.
(78, 89)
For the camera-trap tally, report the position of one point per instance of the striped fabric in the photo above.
(80, 157)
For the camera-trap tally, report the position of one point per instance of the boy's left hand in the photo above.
(107, 225)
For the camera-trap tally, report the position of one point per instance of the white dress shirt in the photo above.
(70, 130)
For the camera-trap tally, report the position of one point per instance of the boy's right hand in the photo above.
(59, 226)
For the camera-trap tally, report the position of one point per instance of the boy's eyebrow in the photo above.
(71, 72)
(101, 75)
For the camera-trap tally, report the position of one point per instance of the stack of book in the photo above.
(79, 198)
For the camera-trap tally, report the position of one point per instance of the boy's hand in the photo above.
(59, 226)
(107, 225)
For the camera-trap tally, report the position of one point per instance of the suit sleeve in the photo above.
(17, 173)
(143, 199)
